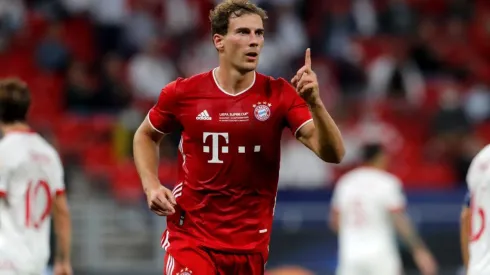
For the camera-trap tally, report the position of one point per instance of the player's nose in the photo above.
(254, 41)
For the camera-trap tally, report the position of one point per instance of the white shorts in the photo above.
(370, 268)
(11, 263)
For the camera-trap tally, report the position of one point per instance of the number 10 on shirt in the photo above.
(38, 203)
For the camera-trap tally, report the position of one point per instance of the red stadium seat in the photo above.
(125, 184)
(98, 159)
(73, 133)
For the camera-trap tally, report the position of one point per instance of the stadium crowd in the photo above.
(412, 74)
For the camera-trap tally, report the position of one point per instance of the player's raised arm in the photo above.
(322, 136)
(465, 226)
(160, 120)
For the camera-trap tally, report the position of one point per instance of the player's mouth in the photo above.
(252, 56)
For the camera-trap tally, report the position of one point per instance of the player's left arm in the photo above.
(465, 230)
(334, 213)
(61, 220)
(322, 136)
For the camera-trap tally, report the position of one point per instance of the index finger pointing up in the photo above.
(308, 58)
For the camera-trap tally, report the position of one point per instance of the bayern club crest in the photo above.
(185, 271)
(262, 111)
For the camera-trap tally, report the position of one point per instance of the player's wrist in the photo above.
(150, 185)
(314, 103)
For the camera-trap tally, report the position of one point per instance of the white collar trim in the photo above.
(224, 91)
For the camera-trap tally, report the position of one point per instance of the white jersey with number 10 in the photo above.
(31, 175)
(363, 198)
(478, 180)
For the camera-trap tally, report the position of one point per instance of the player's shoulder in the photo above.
(479, 163)
(483, 154)
(10, 144)
(195, 82)
(276, 84)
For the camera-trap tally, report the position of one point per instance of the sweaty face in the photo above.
(244, 41)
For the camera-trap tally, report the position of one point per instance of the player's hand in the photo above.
(62, 268)
(161, 201)
(306, 82)
(425, 262)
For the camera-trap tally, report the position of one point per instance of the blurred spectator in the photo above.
(450, 119)
(140, 28)
(79, 91)
(150, 71)
(109, 17)
(449, 129)
(290, 33)
(364, 15)
(370, 128)
(52, 54)
(113, 94)
(200, 56)
(12, 16)
(338, 27)
(421, 52)
(396, 18)
(462, 9)
(180, 17)
(394, 75)
(477, 103)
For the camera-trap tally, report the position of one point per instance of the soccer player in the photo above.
(367, 208)
(31, 190)
(465, 228)
(219, 215)
(478, 180)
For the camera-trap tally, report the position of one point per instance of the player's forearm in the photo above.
(408, 233)
(146, 159)
(63, 233)
(464, 236)
(330, 146)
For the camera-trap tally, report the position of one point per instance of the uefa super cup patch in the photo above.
(262, 111)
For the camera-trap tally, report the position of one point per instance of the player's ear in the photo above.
(218, 40)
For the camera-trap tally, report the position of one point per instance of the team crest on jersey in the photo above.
(185, 271)
(262, 111)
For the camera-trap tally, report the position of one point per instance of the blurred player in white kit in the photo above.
(31, 190)
(368, 208)
(478, 179)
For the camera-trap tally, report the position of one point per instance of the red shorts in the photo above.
(201, 261)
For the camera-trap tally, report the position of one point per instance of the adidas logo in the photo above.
(203, 116)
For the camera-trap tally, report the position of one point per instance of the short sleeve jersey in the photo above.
(364, 198)
(31, 175)
(230, 155)
(478, 180)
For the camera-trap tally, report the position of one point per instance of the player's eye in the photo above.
(243, 31)
(260, 33)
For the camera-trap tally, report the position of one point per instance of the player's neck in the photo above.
(232, 81)
(15, 128)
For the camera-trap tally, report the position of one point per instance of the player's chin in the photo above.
(249, 66)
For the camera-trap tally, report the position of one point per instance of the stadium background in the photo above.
(412, 74)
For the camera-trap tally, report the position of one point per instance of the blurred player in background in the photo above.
(220, 213)
(367, 208)
(31, 189)
(478, 179)
(465, 229)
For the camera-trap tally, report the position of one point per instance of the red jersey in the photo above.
(230, 155)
